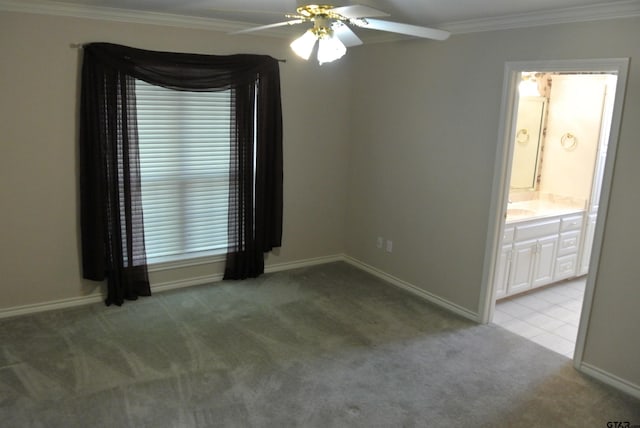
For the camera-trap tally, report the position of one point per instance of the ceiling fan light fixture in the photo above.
(330, 48)
(331, 27)
(303, 45)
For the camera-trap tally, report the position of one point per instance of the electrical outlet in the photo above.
(380, 242)
(389, 246)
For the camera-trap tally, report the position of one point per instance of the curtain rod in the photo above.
(81, 45)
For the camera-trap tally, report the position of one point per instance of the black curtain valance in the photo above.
(183, 71)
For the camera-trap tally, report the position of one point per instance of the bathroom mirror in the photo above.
(527, 144)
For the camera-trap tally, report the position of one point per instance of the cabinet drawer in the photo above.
(565, 267)
(537, 230)
(569, 242)
(507, 236)
(571, 223)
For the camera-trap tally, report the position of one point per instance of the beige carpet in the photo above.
(327, 346)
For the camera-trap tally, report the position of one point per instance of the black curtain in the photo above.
(111, 208)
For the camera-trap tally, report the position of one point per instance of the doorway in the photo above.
(530, 245)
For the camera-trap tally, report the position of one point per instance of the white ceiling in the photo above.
(452, 15)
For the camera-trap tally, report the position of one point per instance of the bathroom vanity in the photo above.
(557, 171)
(539, 247)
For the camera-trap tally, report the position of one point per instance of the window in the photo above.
(189, 140)
(184, 140)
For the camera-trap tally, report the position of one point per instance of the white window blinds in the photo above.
(184, 157)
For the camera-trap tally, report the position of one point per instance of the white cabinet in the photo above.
(589, 233)
(537, 252)
(504, 263)
(532, 263)
(522, 266)
(567, 261)
(566, 267)
(533, 254)
(569, 245)
(502, 270)
(544, 261)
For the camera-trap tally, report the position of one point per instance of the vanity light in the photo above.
(528, 88)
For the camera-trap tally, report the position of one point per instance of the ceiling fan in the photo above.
(331, 29)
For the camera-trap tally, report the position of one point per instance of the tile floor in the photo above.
(549, 316)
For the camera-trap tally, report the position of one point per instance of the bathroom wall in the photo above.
(575, 107)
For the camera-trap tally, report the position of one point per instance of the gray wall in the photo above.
(39, 249)
(423, 142)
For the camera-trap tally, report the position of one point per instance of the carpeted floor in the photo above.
(328, 346)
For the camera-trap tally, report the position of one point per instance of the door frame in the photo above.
(502, 173)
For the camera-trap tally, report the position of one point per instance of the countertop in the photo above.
(536, 209)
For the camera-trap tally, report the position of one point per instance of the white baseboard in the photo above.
(464, 312)
(51, 305)
(277, 267)
(610, 379)
(183, 283)
(156, 288)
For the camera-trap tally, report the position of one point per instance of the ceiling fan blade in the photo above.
(346, 36)
(266, 27)
(358, 11)
(396, 27)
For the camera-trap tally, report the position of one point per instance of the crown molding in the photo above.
(605, 11)
(122, 15)
(598, 12)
